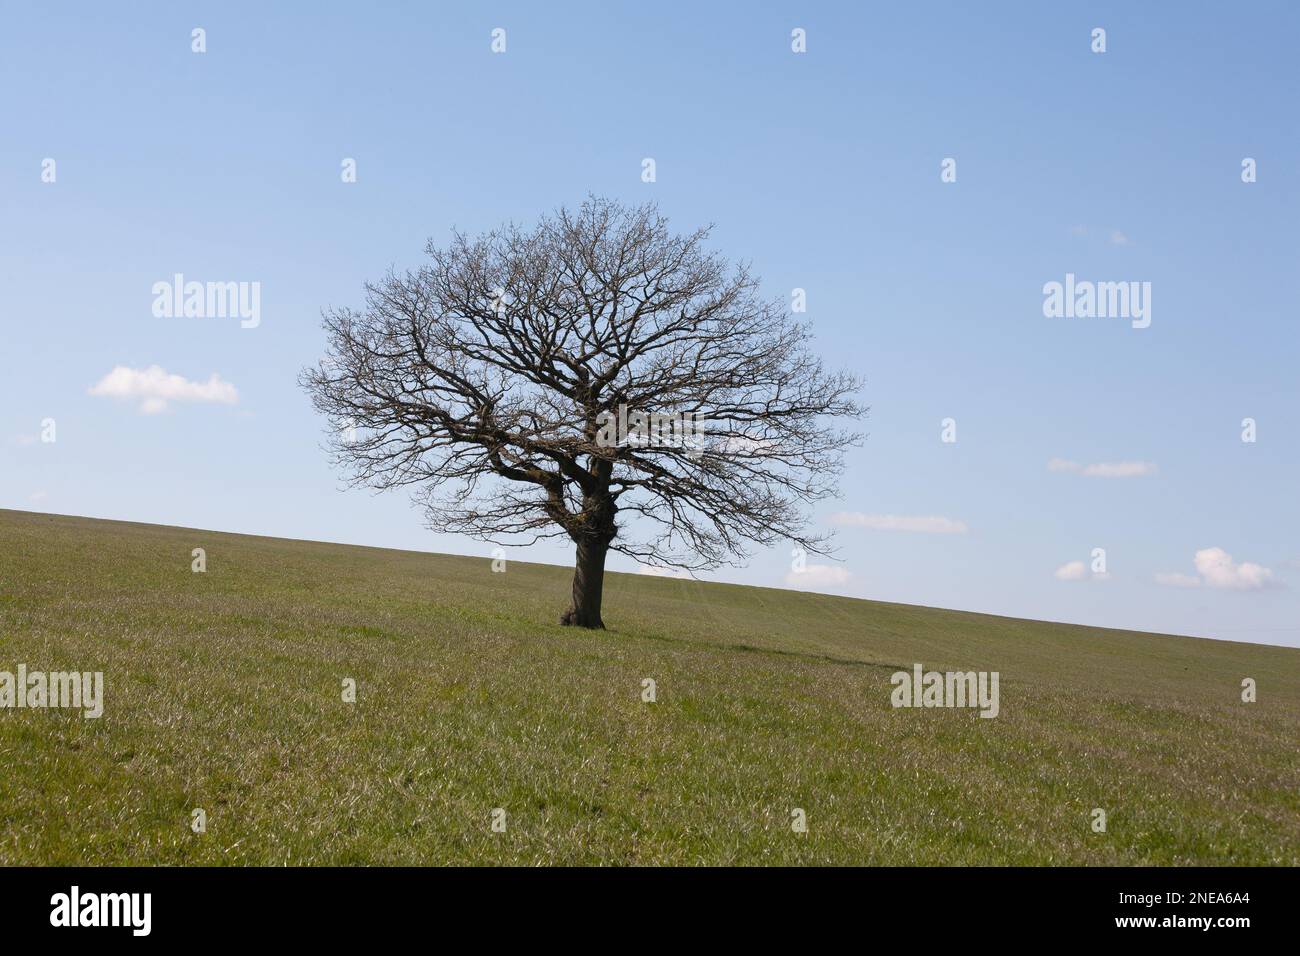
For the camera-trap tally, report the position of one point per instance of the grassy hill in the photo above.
(223, 691)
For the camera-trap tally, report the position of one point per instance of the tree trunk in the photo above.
(588, 583)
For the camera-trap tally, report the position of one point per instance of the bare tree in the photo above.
(595, 376)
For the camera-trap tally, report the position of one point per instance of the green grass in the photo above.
(223, 691)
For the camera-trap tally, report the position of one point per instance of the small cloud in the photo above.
(1078, 571)
(36, 497)
(1118, 238)
(24, 440)
(155, 388)
(745, 447)
(1121, 469)
(1216, 569)
(657, 572)
(815, 576)
(1104, 469)
(928, 524)
(1073, 571)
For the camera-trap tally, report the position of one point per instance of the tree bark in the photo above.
(588, 584)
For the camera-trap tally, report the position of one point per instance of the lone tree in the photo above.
(564, 379)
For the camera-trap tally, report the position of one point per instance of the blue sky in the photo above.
(821, 168)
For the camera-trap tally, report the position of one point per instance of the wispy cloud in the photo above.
(155, 388)
(1117, 237)
(921, 524)
(657, 572)
(1073, 571)
(1104, 469)
(1216, 569)
(815, 576)
(1078, 571)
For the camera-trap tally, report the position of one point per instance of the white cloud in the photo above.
(24, 440)
(657, 572)
(929, 524)
(1104, 469)
(1121, 469)
(1117, 237)
(745, 447)
(36, 497)
(1073, 571)
(155, 388)
(815, 576)
(1216, 569)
(1220, 571)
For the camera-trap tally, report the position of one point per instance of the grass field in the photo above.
(223, 692)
